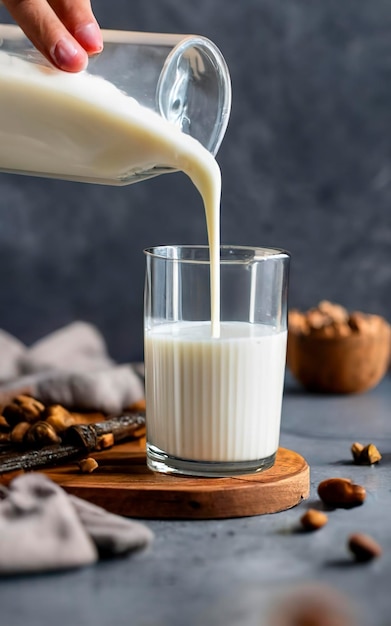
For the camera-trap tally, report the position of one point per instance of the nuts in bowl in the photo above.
(333, 351)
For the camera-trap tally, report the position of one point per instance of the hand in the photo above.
(65, 31)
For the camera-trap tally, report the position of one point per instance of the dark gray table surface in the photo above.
(226, 572)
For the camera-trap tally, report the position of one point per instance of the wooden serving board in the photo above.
(123, 484)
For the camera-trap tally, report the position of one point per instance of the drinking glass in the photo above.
(214, 403)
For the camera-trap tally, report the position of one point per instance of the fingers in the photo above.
(78, 18)
(64, 31)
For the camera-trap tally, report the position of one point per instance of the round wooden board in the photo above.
(123, 484)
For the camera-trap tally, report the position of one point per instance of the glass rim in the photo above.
(250, 253)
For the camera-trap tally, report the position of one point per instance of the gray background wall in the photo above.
(306, 166)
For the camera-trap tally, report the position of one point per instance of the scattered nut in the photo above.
(58, 417)
(23, 409)
(42, 434)
(19, 431)
(311, 605)
(364, 547)
(369, 455)
(313, 519)
(356, 450)
(341, 493)
(105, 441)
(87, 466)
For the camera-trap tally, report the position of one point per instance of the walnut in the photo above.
(23, 409)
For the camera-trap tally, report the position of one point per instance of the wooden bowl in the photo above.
(340, 364)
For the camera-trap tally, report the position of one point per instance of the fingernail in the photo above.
(90, 37)
(64, 53)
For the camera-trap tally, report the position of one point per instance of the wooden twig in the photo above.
(79, 440)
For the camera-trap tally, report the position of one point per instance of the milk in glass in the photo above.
(215, 399)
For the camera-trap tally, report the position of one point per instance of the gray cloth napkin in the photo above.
(70, 367)
(44, 529)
